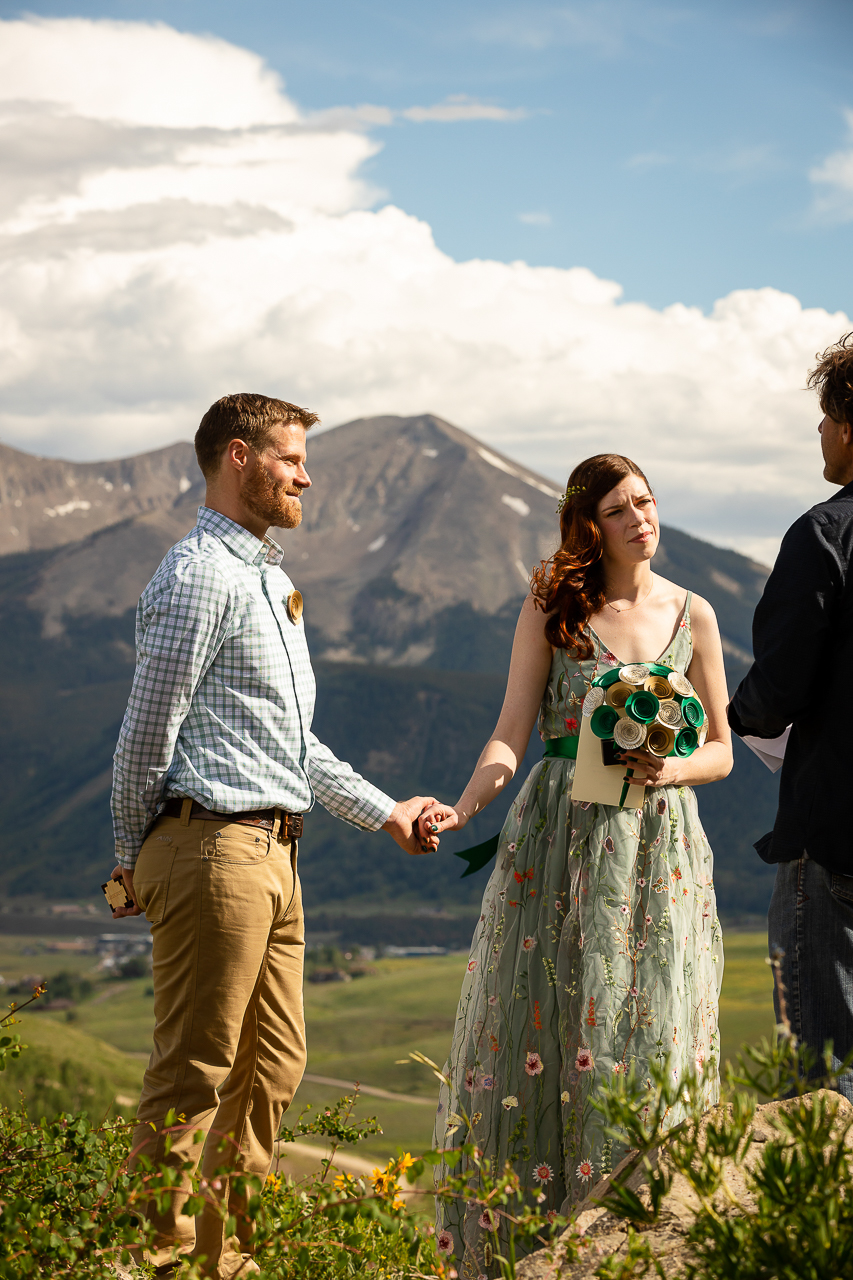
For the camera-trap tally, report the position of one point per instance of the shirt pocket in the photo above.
(151, 876)
(235, 845)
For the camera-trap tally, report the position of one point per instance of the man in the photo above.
(801, 675)
(215, 766)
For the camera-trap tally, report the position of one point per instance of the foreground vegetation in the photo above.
(69, 1203)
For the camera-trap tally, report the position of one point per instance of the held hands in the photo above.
(122, 873)
(652, 771)
(402, 825)
(435, 818)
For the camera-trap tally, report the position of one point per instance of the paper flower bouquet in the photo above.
(638, 707)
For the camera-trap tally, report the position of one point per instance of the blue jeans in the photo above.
(811, 919)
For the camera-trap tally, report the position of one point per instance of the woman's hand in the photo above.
(436, 818)
(652, 771)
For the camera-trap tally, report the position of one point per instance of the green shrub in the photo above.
(798, 1221)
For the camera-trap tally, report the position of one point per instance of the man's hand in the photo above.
(401, 826)
(121, 873)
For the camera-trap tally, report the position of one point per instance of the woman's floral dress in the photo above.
(598, 947)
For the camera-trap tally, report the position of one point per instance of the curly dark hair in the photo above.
(243, 417)
(569, 588)
(833, 379)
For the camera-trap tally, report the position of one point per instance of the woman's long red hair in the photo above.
(569, 587)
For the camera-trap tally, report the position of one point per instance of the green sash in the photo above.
(481, 854)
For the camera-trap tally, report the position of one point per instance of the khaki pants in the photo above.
(226, 920)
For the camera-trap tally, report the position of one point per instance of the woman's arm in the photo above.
(529, 668)
(708, 676)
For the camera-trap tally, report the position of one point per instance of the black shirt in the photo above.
(802, 675)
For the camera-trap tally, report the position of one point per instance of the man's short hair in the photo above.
(243, 417)
(833, 379)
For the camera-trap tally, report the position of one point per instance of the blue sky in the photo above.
(667, 146)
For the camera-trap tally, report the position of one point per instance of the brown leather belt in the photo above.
(290, 828)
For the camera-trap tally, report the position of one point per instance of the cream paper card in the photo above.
(594, 780)
(771, 751)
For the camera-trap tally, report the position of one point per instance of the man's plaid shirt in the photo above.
(223, 695)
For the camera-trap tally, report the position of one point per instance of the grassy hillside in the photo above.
(356, 1031)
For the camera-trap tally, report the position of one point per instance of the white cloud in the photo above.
(834, 177)
(460, 107)
(163, 242)
(535, 219)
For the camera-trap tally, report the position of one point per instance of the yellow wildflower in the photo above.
(274, 1181)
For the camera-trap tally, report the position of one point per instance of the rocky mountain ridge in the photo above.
(413, 533)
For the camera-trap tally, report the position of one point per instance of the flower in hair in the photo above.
(571, 491)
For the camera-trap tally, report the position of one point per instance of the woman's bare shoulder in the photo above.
(531, 623)
(702, 612)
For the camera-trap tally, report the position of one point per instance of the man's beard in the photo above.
(269, 499)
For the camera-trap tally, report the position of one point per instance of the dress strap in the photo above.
(687, 607)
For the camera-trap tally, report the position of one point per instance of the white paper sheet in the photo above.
(770, 751)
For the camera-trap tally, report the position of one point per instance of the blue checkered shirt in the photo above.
(223, 695)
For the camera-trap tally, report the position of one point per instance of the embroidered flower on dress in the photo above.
(585, 1170)
(551, 1215)
(623, 909)
(565, 1097)
(534, 1065)
(647, 919)
(641, 881)
(558, 906)
(619, 1068)
(486, 1220)
(512, 846)
(487, 1082)
(444, 1242)
(584, 1062)
(641, 946)
(543, 1173)
(661, 805)
(609, 846)
(472, 965)
(633, 992)
(509, 1102)
(529, 943)
(571, 725)
(469, 1080)
(493, 1000)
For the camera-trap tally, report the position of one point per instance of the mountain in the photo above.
(413, 557)
(45, 502)
(413, 533)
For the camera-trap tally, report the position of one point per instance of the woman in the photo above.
(598, 945)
